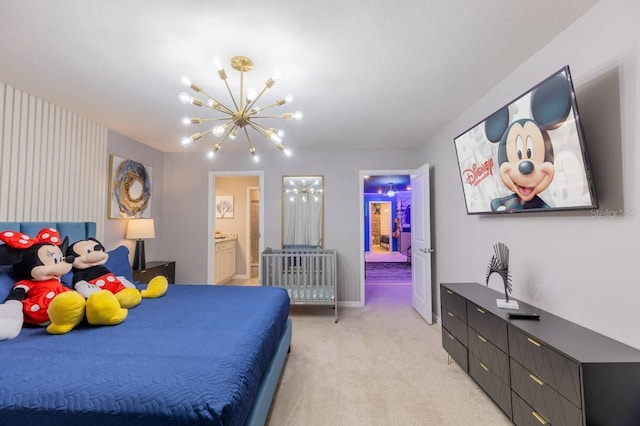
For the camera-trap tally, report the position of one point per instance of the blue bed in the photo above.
(200, 355)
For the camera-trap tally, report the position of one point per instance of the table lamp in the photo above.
(139, 229)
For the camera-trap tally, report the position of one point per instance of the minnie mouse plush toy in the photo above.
(39, 263)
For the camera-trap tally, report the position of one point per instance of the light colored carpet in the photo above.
(379, 365)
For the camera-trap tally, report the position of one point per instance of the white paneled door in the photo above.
(421, 243)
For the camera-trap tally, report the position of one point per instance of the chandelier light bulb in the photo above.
(288, 99)
(210, 154)
(185, 121)
(218, 131)
(298, 115)
(217, 63)
(251, 94)
(186, 141)
(184, 98)
(186, 81)
(287, 152)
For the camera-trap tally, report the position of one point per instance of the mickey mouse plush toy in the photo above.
(525, 152)
(90, 275)
(38, 264)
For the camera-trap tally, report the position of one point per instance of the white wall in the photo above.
(115, 229)
(578, 265)
(186, 202)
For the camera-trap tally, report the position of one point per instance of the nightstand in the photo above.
(168, 269)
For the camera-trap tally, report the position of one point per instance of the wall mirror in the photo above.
(302, 212)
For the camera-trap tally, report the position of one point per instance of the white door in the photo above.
(421, 243)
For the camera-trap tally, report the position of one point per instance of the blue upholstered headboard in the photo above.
(76, 231)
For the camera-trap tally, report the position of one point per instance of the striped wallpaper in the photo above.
(53, 163)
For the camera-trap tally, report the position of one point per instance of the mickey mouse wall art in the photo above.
(530, 155)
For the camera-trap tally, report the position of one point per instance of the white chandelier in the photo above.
(244, 114)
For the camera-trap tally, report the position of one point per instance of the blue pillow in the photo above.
(118, 263)
(7, 281)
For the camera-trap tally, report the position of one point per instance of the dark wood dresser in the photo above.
(548, 371)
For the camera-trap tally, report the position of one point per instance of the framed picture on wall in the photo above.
(129, 189)
(224, 207)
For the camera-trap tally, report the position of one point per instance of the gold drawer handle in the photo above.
(538, 344)
(482, 311)
(450, 314)
(539, 418)
(484, 367)
(449, 291)
(482, 338)
(537, 379)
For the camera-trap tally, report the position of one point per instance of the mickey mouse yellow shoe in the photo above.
(129, 297)
(157, 287)
(103, 308)
(65, 312)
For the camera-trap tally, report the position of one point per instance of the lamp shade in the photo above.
(138, 229)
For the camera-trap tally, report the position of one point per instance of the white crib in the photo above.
(308, 275)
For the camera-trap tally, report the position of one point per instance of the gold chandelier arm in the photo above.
(252, 149)
(273, 137)
(267, 107)
(259, 128)
(213, 119)
(224, 138)
(253, 117)
(246, 132)
(225, 108)
(233, 99)
(249, 106)
(198, 135)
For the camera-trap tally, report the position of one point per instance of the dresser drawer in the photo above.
(455, 349)
(454, 303)
(542, 398)
(489, 355)
(556, 370)
(454, 325)
(490, 383)
(488, 325)
(524, 415)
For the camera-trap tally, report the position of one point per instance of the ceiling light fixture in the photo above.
(242, 116)
(391, 190)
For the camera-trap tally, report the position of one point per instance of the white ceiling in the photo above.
(365, 73)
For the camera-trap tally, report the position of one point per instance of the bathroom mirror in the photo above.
(302, 212)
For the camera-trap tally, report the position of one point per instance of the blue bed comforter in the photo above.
(195, 356)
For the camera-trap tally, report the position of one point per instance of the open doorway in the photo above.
(386, 198)
(235, 241)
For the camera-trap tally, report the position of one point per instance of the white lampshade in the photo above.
(140, 228)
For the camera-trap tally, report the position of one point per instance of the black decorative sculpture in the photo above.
(499, 263)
